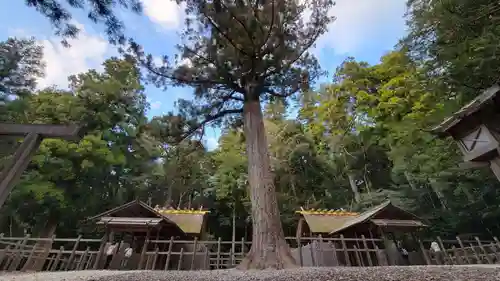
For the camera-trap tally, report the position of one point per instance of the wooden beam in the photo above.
(69, 132)
(33, 136)
(11, 174)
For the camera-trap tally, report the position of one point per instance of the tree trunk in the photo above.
(354, 187)
(269, 248)
(410, 180)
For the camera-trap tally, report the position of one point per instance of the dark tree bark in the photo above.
(269, 248)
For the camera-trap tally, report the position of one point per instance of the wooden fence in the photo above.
(62, 254)
(454, 252)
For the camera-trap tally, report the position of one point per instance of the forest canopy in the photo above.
(356, 141)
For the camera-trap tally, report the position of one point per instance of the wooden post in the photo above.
(242, 247)
(38, 264)
(193, 257)
(81, 262)
(356, 255)
(218, 253)
(334, 253)
(381, 257)
(497, 249)
(207, 259)
(486, 254)
(72, 256)
(10, 258)
(424, 253)
(90, 258)
(104, 240)
(55, 265)
(466, 256)
(368, 255)
(311, 250)
(144, 249)
(30, 257)
(479, 260)
(321, 258)
(446, 257)
(299, 247)
(458, 259)
(298, 236)
(18, 255)
(3, 253)
(169, 254)
(346, 253)
(233, 239)
(179, 265)
(155, 258)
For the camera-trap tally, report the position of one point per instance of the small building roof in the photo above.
(472, 107)
(332, 222)
(136, 215)
(371, 214)
(322, 221)
(190, 221)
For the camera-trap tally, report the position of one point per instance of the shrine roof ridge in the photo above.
(181, 211)
(327, 212)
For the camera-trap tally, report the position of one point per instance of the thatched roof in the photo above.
(329, 221)
(371, 215)
(474, 106)
(323, 221)
(190, 221)
(136, 213)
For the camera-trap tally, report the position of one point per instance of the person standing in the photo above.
(126, 256)
(110, 252)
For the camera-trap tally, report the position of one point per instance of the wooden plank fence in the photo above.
(460, 252)
(26, 254)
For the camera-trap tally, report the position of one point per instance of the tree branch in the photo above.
(228, 76)
(181, 80)
(242, 24)
(214, 25)
(208, 119)
(271, 26)
(282, 95)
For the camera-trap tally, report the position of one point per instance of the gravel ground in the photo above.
(407, 273)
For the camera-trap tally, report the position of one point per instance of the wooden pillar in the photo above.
(390, 248)
(298, 235)
(144, 250)
(13, 171)
(33, 135)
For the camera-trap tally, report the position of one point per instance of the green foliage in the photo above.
(357, 141)
(20, 65)
(98, 11)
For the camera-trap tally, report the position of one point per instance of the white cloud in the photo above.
(211, 143)
(360, 22)
(86, 51)
(156, 105)
(166, 13)
(185, 62)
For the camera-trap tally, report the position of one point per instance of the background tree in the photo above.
(20, 66)
(242, 54)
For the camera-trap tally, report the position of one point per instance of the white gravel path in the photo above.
(393, 273)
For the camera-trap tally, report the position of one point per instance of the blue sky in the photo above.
(364, 29)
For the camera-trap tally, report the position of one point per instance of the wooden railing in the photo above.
(63, 254)
(455, 252)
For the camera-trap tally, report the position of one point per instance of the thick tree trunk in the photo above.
(269, 248)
